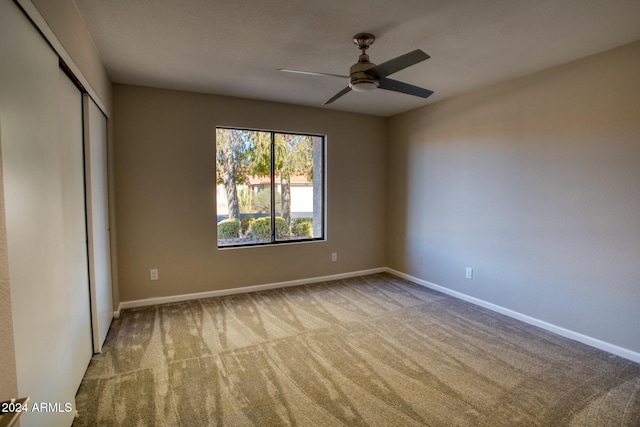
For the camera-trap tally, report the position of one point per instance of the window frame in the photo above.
(273, 211)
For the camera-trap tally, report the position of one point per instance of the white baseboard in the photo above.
(242, 290)
(576, 336)
(585, 339)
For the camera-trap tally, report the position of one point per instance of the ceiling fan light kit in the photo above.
(365, 76)
(364, 86)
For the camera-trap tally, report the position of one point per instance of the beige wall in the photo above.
(535, 183)
(165, 189)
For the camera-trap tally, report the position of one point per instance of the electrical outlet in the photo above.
(334, 256)
(469, 273)
(419, 260)
(153, 274)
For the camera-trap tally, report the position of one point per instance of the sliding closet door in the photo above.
(43, 187)
(74, 224)
(95, 141)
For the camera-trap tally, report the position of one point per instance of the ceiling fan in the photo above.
(365, 76)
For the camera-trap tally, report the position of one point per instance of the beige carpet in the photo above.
(374, 350)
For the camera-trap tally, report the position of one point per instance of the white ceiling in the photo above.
(235, 47)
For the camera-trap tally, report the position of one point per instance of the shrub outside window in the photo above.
(269, 187)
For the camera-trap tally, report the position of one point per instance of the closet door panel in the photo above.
(75, 225)
(34, 214)
(95, 141)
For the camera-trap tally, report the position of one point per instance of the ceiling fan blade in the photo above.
(338, 95)
(399, 63)
(311, 73)
(401, 87)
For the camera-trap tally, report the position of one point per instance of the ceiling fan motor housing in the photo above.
(360, 79)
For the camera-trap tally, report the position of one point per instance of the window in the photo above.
(269, 187)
